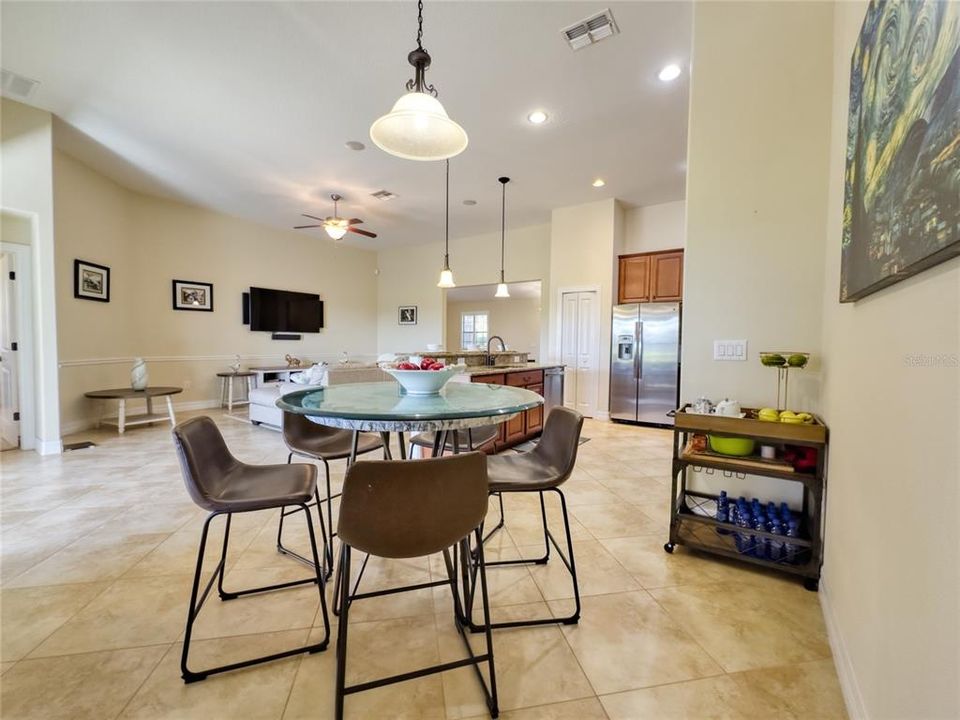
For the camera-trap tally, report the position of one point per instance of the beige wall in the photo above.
(147, 242)
(516, 320)
(892, 573)
(757, 167)
(27, 191)
(584, 240)
(408, 276)
(655, 227)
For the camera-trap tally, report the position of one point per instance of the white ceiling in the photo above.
(245, 107)
(526, 290)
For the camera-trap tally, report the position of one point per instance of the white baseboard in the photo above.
(852, 697)
(601, 415)
(88, 423)
(48, 447)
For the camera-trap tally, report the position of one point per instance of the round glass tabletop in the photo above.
(383, 406)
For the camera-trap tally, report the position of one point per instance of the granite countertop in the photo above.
(464, 353)
(488, 370)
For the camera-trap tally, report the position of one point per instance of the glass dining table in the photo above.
(386, 408)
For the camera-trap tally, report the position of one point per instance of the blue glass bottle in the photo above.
(774, 546)
(791, 550)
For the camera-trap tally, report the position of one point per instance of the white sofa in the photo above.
(263, 399)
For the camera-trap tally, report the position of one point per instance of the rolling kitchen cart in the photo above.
(693, 514)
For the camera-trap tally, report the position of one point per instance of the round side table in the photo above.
(226, 388)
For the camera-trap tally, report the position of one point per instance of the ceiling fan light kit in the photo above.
(335, 226)
(418, 127)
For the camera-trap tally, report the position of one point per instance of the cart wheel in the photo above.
(811, 584)
(669, 547)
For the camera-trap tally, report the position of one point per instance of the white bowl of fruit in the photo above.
(426, 378)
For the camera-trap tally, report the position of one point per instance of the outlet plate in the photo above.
(730, 350)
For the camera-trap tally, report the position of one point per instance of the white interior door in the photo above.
(587, 353)
(579, 351)
(568, 348)
(9, 375)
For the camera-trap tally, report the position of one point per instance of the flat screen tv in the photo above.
(285, 311)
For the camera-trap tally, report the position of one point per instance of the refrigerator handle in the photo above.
(638, 350)
(640, 354)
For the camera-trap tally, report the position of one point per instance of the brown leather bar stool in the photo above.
(543, 469)
(415, 508)
(223, 485)
(311, 440)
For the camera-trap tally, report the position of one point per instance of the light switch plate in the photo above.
(730, 350)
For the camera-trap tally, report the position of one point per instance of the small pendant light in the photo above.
(446, 275)
(418, 127)
(502, 290)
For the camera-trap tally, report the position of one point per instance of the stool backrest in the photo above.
(297, 428)
(412, 508)
(560, 440)
(204, 458)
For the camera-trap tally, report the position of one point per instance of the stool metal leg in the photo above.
(567, 559)
(197, 600)
(346, 598)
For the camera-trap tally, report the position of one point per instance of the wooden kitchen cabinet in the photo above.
(666, 276)
(651, 277)
(526, 425)
(634, 278)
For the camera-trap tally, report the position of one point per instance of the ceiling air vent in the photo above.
(383, 195)
(594, 29)
(17, 86)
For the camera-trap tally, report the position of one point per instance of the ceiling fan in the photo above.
(335, 226)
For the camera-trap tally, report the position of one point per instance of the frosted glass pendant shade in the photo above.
(502, 291)
(446, 279)
(418, 128)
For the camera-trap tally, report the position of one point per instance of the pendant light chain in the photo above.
(420, 25)
(446, 244)
(503, 223)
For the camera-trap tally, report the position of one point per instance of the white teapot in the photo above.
(728, 408)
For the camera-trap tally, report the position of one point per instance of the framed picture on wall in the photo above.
(408, 315)
(91, 281)
(901, 210)
(192, 295)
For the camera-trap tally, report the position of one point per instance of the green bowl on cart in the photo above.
(735, 446)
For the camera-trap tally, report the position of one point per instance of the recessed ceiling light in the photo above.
(469, 202)
(355, 145)
(669, 73)
(599, 182)
(537, 117)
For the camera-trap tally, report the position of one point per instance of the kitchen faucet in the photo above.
(503, 347)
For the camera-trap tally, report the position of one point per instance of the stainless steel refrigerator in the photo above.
(645, 362)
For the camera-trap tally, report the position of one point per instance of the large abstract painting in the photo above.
(902, 189)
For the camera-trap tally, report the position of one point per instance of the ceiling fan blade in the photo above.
(358, 231)
(354, 221)
(301, 227)
(312, 217)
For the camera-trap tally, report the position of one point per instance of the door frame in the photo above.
(558, 330)
(25, 330)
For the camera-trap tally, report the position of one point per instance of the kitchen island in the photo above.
(545, 380)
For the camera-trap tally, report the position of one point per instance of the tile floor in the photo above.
(98, 547)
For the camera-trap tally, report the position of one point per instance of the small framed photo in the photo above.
(408, 315)
(191, 295)
(91, 281)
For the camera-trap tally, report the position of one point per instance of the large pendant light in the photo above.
(502, 290)
(446, 275)
(418, 128)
